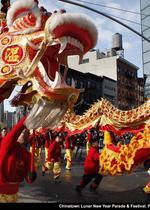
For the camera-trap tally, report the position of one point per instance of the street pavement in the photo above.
(113, 189)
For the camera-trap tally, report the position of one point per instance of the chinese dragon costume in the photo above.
(34, 44)
(120, 157)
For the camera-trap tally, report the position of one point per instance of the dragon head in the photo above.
(33, 50)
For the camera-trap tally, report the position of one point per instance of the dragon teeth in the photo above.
(57, 81)
(67, 39)
(63, 44)
(44, 74)
(53, 84)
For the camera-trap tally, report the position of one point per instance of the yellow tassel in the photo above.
(4, 198)
(116, 163)
(107, 138)
(147, 189)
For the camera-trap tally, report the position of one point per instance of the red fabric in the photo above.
(35, 138)
(139, 136)
(47, 143)
(148, 185)
(89, 137)
(120, 132)
(0, 140)
(54, 151)
(14, 159)
(8, 141)
(67, 142)
(71, 133)
(39, 141)
(81, 34)
(30, 140)
(60, 129)
(9, 189)
(32, 157)
(141, 155)
(47, 139)
(91, 163)
(113, 148)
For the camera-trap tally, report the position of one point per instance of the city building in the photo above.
(111, 64)
(127, 85)
(92, 88)
(20, 112)
(141, 83)
(2, 112)
(9, 119)
(109, 90)
(145, 21)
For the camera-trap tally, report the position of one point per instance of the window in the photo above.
(146, 68)
(81, 85)
(146, 46)
(146, 20)
(145, 12)
(144, 3)
(146, 56)
(86, 60)
(147, 32)
(68, 81)
(76, 83)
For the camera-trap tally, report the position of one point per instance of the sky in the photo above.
(106, 28)
(132, 43)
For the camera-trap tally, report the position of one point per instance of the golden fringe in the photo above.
(4, 198)
(147, 188)
(116, 163)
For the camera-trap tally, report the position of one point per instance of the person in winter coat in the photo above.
(69, 146)
(36, 143)
(53, 162)
(49, 138)
(88, 141)
(91, 168)
(16, 163)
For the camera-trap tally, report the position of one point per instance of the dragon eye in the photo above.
(55, 11)
(31, 17)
